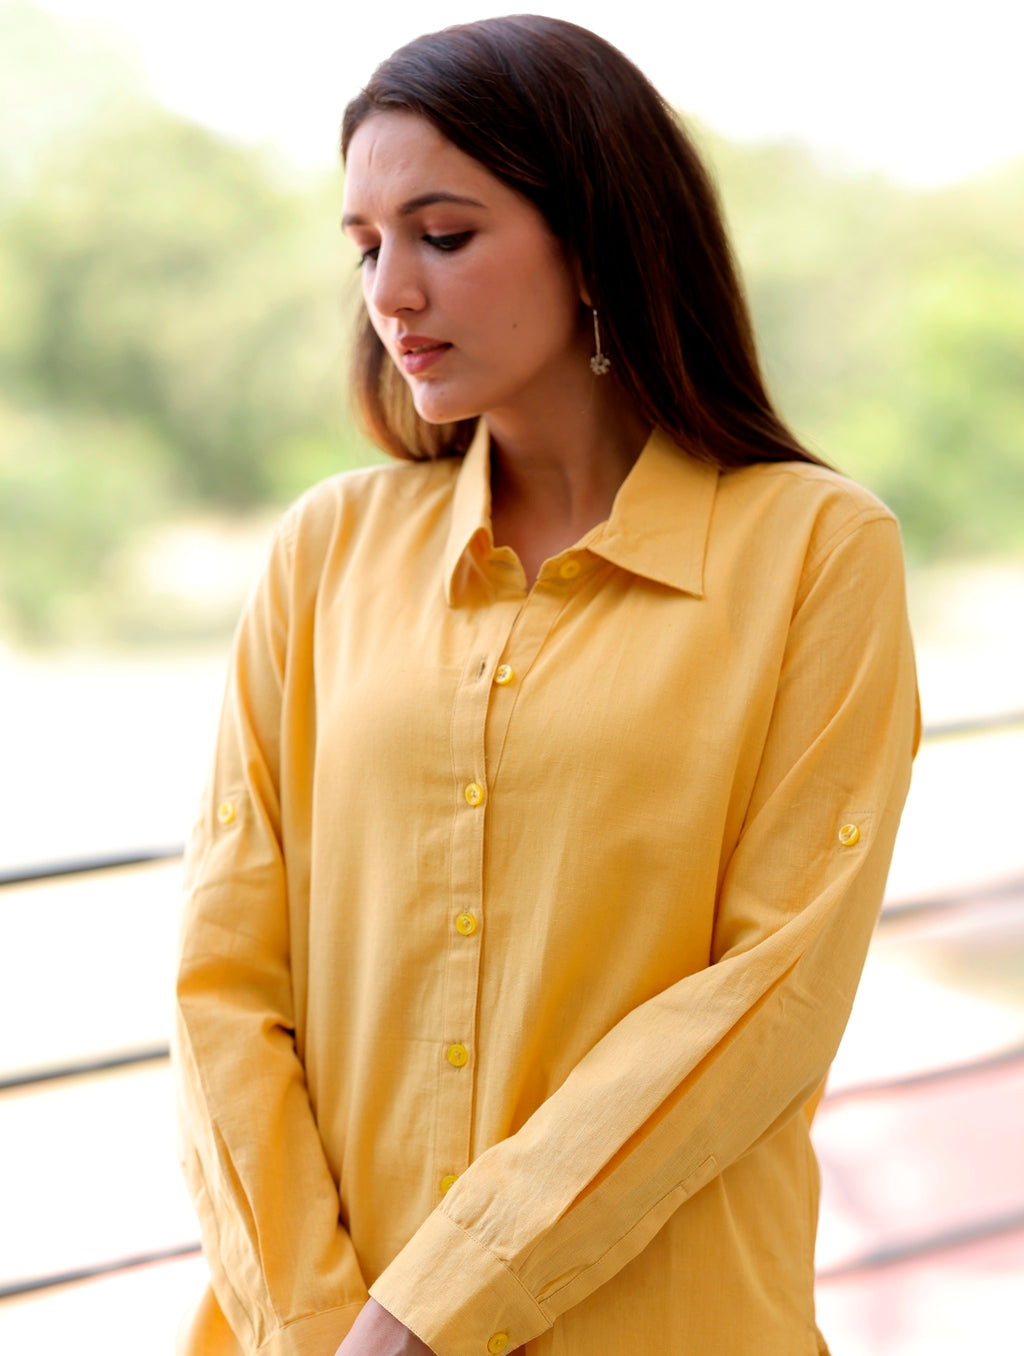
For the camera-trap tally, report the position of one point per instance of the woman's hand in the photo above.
(378, 1333)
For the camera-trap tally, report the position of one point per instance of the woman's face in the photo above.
(466, 286)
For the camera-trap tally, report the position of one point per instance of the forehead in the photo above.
(393, 157)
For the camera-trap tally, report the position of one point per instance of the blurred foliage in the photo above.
(173, 282)
(171, 339)
(892, 324)
(173, 331)
(71, 487)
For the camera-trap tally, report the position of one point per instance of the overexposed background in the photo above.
(927, 92)
(872, 151)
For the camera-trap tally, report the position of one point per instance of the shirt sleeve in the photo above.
(703, 1072)
(283, 1268)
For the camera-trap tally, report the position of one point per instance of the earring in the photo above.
(599, 363)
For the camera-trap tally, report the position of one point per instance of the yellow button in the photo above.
(225, 812)
(569, 569)
(448, 1182)
(457, 1056)
(466, 924)
(475, 793)
(503, 674)
(849, 834)
(498, 1343)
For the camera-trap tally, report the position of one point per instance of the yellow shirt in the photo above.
(522, 925)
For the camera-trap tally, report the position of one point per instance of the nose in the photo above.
(394, 284)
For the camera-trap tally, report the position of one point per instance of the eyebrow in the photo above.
(415, 204)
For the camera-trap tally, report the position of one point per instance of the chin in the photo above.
(444, 411)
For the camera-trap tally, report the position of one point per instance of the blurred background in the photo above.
(174, 306)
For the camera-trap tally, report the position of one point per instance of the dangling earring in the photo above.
(599, 364)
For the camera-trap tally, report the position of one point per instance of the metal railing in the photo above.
(873, 1260)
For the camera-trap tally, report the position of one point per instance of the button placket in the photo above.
(464, 916)
(532, 627)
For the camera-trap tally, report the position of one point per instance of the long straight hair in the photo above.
(567, 121)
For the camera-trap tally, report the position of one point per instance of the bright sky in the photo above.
(926, 90)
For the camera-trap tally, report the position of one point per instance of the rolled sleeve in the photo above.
(283, 1268)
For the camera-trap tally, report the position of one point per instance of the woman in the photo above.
(559, 771)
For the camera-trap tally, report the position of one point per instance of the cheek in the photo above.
(553, 294)
(554, 312)
(528, 301)
(376, 320)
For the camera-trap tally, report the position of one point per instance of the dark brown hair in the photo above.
(563, 118)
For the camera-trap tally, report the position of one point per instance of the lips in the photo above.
(420, 351)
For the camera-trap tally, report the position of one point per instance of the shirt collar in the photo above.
(659, 523)
(471, 509)
(658, 526)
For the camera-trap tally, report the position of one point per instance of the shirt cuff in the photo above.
(314, 1335)
(456, 1296)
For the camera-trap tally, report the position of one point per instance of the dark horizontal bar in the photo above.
(990, 892)
(31, 1284)
(80, 866)
(944, 1073)
(910, 1250)
(112, 861)
(878, 1259)
(101, 1064)
(1008, 720)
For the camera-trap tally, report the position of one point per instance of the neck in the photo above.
(553, 480)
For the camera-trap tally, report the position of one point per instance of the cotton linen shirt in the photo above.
(522, 924)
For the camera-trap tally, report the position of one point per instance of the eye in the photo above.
(447, 244)
(368, 256)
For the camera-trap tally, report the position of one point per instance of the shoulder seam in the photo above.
(867, 515)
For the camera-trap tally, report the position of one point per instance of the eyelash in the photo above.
(446, 244)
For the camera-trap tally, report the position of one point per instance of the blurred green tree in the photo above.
(174, 328)
(175, 282)
(892, 322)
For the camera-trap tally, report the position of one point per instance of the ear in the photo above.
(581, 286)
